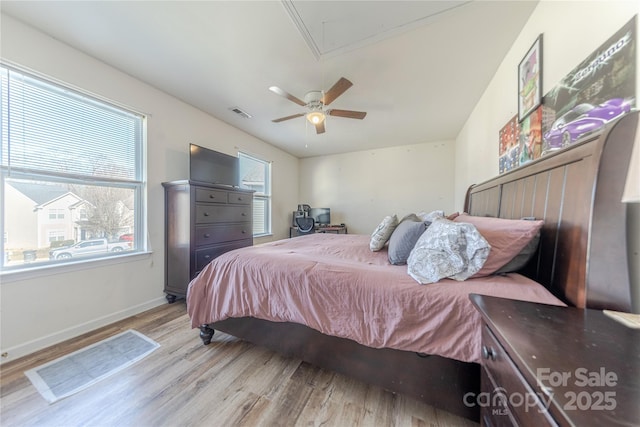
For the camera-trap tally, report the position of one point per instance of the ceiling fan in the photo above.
(316, 101)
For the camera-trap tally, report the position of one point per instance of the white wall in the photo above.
(42, 310)
(571, 30)
(361, 188)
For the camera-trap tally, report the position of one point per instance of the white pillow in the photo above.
(449, 249)
(431, 216)
(382, 233)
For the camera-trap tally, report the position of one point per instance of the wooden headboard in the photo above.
(582, 257)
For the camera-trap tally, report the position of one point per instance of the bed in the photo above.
(428, 347)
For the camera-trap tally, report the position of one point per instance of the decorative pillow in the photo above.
(382, 233)
(431, 216)
(404, 238)
(447, 249)
(522, 258)
(507, 237)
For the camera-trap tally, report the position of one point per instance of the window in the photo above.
(72, 170)
(255, 174)
(56, 235)
(56, 214)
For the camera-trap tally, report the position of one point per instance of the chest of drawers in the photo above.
(201, 223)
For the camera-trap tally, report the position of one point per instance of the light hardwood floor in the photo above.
(227, 383)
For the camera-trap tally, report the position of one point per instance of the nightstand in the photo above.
(549, 365)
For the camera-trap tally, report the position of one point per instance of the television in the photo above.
(211, 167)
(321, 216)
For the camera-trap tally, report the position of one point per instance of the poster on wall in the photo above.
(509, 150)
(530, 80)
(530, 137)
(598, 91)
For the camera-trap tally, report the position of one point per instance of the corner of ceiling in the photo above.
(291, 10)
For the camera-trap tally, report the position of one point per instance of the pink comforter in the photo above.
(336, 285)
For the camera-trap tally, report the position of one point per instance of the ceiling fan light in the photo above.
(315, 117)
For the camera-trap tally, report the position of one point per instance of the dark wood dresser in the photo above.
(202, 221)
(548, 365)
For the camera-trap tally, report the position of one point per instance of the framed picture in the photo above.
(530, 137)
(509, 149)
(530, 80)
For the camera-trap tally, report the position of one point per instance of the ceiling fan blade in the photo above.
(278, 91)
(320, 127)
(336, 90)
(282, 119)
(347, 113)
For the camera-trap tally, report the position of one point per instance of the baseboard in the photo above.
(13, 353)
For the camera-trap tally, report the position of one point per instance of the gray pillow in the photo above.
(404, 238)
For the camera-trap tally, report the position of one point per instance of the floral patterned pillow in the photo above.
(383, 232)
(447, 249)
(431, 216)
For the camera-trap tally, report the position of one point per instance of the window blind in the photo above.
(51, 129)
(255, 174)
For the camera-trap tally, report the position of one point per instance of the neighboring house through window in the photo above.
(255, 174)
(56, 235)
(71, 170)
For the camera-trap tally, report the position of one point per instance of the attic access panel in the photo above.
(334, 27)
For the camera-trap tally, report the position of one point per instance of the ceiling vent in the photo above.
(241, 113)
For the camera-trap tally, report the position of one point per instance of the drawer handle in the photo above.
(207, 256)
(488, 353)
(244, 232)
(244, 214)
(211, 196)
(207, 235)
(240, 198)
(205, 214)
